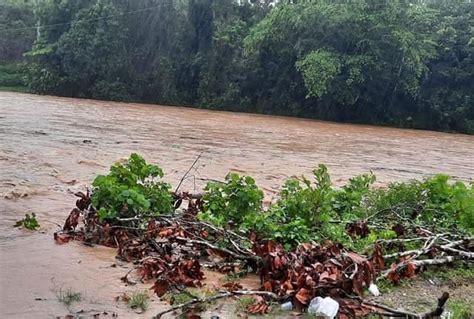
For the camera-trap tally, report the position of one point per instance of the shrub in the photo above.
(306, 200)
(238, 200)
(132, 189)
(314, 210)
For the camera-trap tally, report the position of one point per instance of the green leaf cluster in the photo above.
(29, 222)
(236, 201)
(131, 189)
(315, 210)
(435, 201)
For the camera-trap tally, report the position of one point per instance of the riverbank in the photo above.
(52, 147)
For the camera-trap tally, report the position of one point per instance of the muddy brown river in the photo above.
(51, 147)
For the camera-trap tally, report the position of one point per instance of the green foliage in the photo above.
(17, 18)
(29, 222)
(436, 200)
(139, 300)
(132, 189)
(396, 63)
(244, 302)
(319, 68)
(315, 210)
(306, 200)
(349, 200)
(12, 75)
(461, 309)
(179, 298)
(237, 200)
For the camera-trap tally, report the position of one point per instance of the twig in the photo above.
(418, 263)
(410, 315)
(222, 294)
(125, 278)
(184, 176)
(192, 302)
(224, 250)
(259, 293)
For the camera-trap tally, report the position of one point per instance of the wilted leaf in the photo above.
(61, 238)
(72, 220)
(232, 286)
(377, 258)
(260, 307)
(355, 257)
(160, 287)
(399, 229)
(303, 296)
(267, 286)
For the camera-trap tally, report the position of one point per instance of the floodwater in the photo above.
(51, 147)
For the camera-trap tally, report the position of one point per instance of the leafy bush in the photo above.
(309, 201)
(11, 75)
(435, 201)
(238, 201)
(307, 210)
(315, 210)
(132, 189)
(349, 201)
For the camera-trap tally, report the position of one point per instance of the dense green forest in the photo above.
(398, 63)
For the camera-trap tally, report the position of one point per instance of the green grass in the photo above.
(243, 303)
(68, 296)
(460, 309)
(139, 300)
(449, 273)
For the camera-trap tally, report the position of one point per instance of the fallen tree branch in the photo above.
(192, 302)
(405, 240)
(438, 261)
(259, 293)
(418, 263)
(393, 312)
(410, 315)
(221, 294)
(468, 255)
(224, 250)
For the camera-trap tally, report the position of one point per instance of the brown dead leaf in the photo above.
(303, 296)
(267, 286)
(160, 287)
(259, 308)
(377, 258)
(232, 286)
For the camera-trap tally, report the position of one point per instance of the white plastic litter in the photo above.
(287, 306)
(324, 307)
(374, 290)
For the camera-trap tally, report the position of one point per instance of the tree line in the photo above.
(397, 63)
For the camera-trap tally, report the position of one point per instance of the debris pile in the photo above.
(171, 250)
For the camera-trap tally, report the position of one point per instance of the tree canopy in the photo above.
(399, 63)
